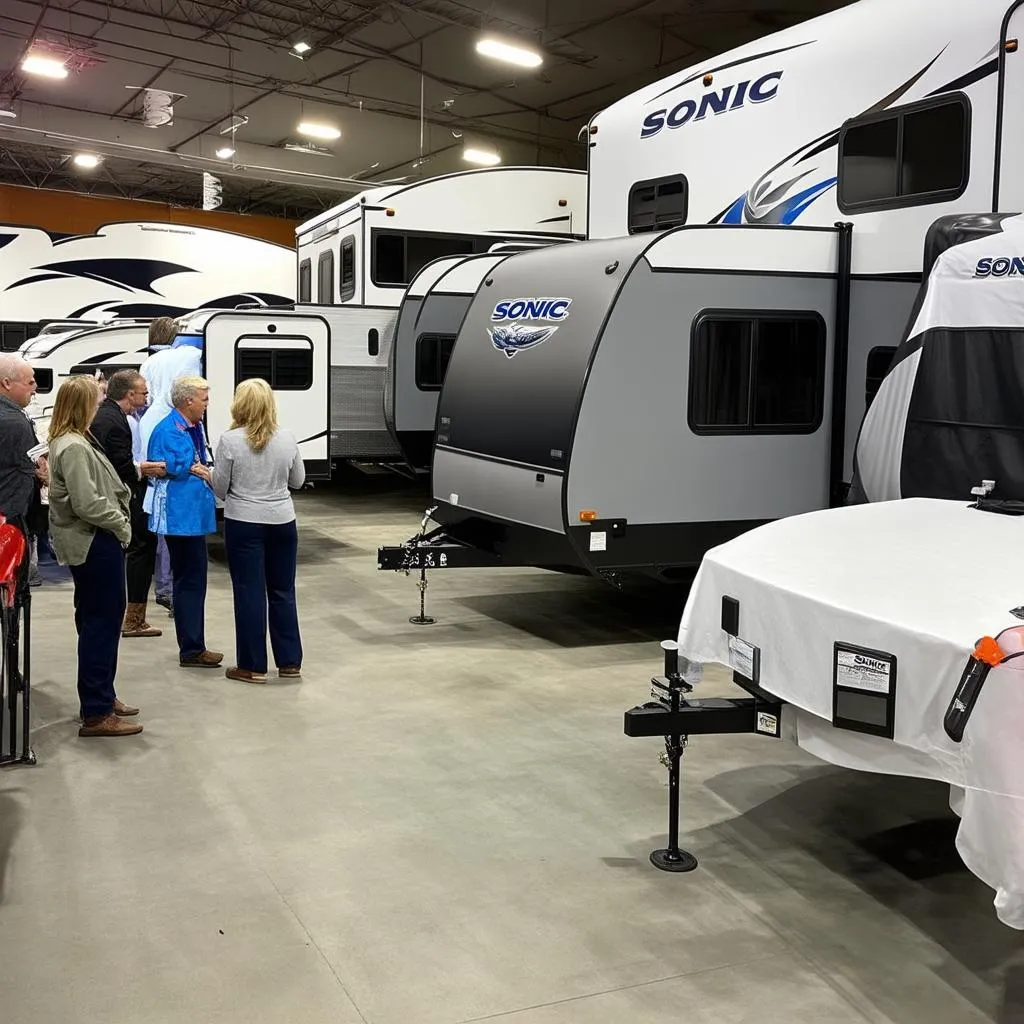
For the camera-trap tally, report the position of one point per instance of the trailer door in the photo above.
(1009, 191)
(291, 351)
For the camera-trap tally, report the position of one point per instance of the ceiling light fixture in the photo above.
(6, 112)
(508, 52)
(316, 130)
(302, 47)
(485, 157)
(45, 67)
(225, 153)
(87, 161)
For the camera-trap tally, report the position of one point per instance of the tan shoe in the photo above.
(242, 675)
(135, 623)
(290, 672)
(123, 710)
(108, 725)
(205, 659)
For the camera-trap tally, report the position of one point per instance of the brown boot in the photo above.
(135, 623)
(108, 725)
(205, 659)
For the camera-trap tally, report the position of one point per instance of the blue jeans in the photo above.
(188, 569)
(99, 613)
(261, 559)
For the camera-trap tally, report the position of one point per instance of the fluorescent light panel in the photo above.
(317, 130)
(486, 157)
(87, 161)
(46, 67)
(225, 153)
(302, 47)
(496, 49)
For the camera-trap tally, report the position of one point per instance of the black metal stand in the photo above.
(422, 619)
(672, 858)
(16, 679)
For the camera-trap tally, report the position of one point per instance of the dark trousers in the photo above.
(99, 613)
(261, 559)
(140, 559)
(188, 567)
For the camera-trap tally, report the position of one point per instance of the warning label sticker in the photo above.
(860, 671)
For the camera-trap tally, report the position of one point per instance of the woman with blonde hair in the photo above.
(255, 464)
(90, 527)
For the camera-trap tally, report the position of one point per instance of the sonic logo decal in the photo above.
(511, 335)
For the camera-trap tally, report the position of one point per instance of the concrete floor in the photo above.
(447, 824)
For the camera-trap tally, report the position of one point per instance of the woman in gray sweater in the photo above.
(255, 464)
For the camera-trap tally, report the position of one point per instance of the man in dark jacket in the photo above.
(20, 478)
(126, 392)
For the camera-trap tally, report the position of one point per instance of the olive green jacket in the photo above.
(86, 495)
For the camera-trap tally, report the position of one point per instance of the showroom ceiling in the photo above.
(156, 87)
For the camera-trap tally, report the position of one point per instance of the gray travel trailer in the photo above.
(432, 311)
(747, 334)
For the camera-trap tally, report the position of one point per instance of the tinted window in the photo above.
(348, 269)
(325, 278)
(44, 380)
(657, 205)
(305, 281)
(754, 375)
(433, 351)
(914, 156)
(879, 361)
(399, 257)
(14, 335)
(284, 369)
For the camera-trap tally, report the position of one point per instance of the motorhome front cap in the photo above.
(719, 101)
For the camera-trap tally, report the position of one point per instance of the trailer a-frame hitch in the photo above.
(432, 549)
(676, 717)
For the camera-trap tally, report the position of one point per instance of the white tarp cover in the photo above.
(921, 579)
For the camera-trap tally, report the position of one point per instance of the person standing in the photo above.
(20, 481)
(184, 511)
(127, 392)
(90, 527)
(255, 465)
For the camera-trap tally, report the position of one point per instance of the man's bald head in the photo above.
(17, 379)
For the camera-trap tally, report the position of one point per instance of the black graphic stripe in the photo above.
(979, 74)
(731, 64)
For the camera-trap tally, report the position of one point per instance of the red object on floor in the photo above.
(12, 551)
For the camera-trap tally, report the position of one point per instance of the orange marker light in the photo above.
(1011, 45)
(587, 516)
(988, 651)
(389, 213)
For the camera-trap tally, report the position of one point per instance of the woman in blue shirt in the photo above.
(184, 511)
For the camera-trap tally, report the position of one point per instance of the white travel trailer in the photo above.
(133, 270)
(356, 261)
(290, 350)
(702, 363)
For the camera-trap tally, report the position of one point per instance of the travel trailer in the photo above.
(290, 350)
(428, 322)
(702, 364)
(133, 270)
(356, 261)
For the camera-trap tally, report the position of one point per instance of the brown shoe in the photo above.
(108, 725)
(205, 659)
(123, 710)
(243, 675)
(135, 623)
(290, 672)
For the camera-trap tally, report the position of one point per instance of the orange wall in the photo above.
(72, 213)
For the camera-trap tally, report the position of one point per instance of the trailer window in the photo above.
(305, 281)
(348, 269)
(879, 362)
(433, 353)
(14, 334)
(762, 374)
(915, 156)
(44, 380)
(325, 279)
(399, 256)
(284, 369)
(658, 204)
